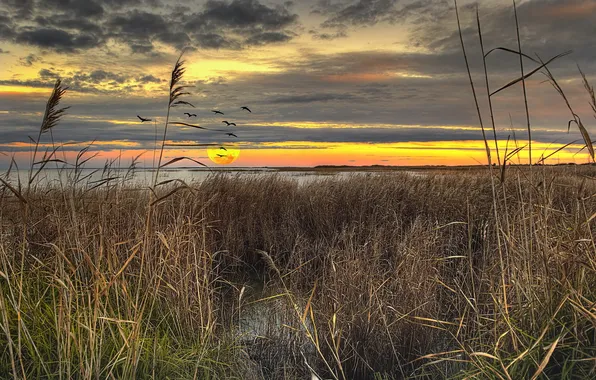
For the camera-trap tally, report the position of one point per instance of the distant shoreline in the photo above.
(319, 168)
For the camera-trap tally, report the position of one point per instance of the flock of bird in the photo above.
(142, 119)
(216, 112)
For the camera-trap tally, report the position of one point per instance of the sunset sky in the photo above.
(338, 82)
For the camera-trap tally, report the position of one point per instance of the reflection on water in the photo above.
(144, 177)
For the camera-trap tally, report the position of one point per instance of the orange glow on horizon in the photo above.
(306, 154)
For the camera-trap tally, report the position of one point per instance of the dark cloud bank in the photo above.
(72, 26)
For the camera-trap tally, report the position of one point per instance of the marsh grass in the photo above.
(379, 270)
(378, 274)
(483, 273)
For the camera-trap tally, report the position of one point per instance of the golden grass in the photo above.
(369, 273)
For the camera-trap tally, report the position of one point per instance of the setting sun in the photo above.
(223, 155)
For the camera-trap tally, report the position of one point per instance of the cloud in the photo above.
(63, 21)
(327, 7)
(57, 39)
(265, 38)
(254, 134)
(239, 23)
(94, 82)
(78, 8)
(137, 28)
(6, 28)
(99, 76)
(76, 25)
(360, 13)
(327, 36)
(21, 8)
(216, 41)
(179, 40)
(344, 14)
(220, 25)
(46, 74)
(308, 98)
(149, 79)
(36, 83)
(547, 28)
(247, 14)
(127, 3)
(213, 81)
(141, 48)
(30, 60)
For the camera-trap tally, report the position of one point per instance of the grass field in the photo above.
(372, 275)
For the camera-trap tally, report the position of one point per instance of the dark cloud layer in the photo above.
(78, 8)
(251, 133)
(20, 8)
(237, 23)
(245, 14)
(320, 35)
(308, 98)
(546, 26)
(78, 25)
(56, 39)
(362, 12)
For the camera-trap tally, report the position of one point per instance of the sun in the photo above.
(223, 155)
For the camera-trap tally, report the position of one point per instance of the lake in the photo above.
(144, 177)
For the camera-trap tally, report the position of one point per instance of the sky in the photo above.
(329, 82)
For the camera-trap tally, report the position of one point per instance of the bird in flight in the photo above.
(221, 155)
(222, 148)
(246, 108)
(190, 114)
(143, 119)
(217, 112)
(227, 122)
(231, 135)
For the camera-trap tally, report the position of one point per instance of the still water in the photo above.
(144, 177)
